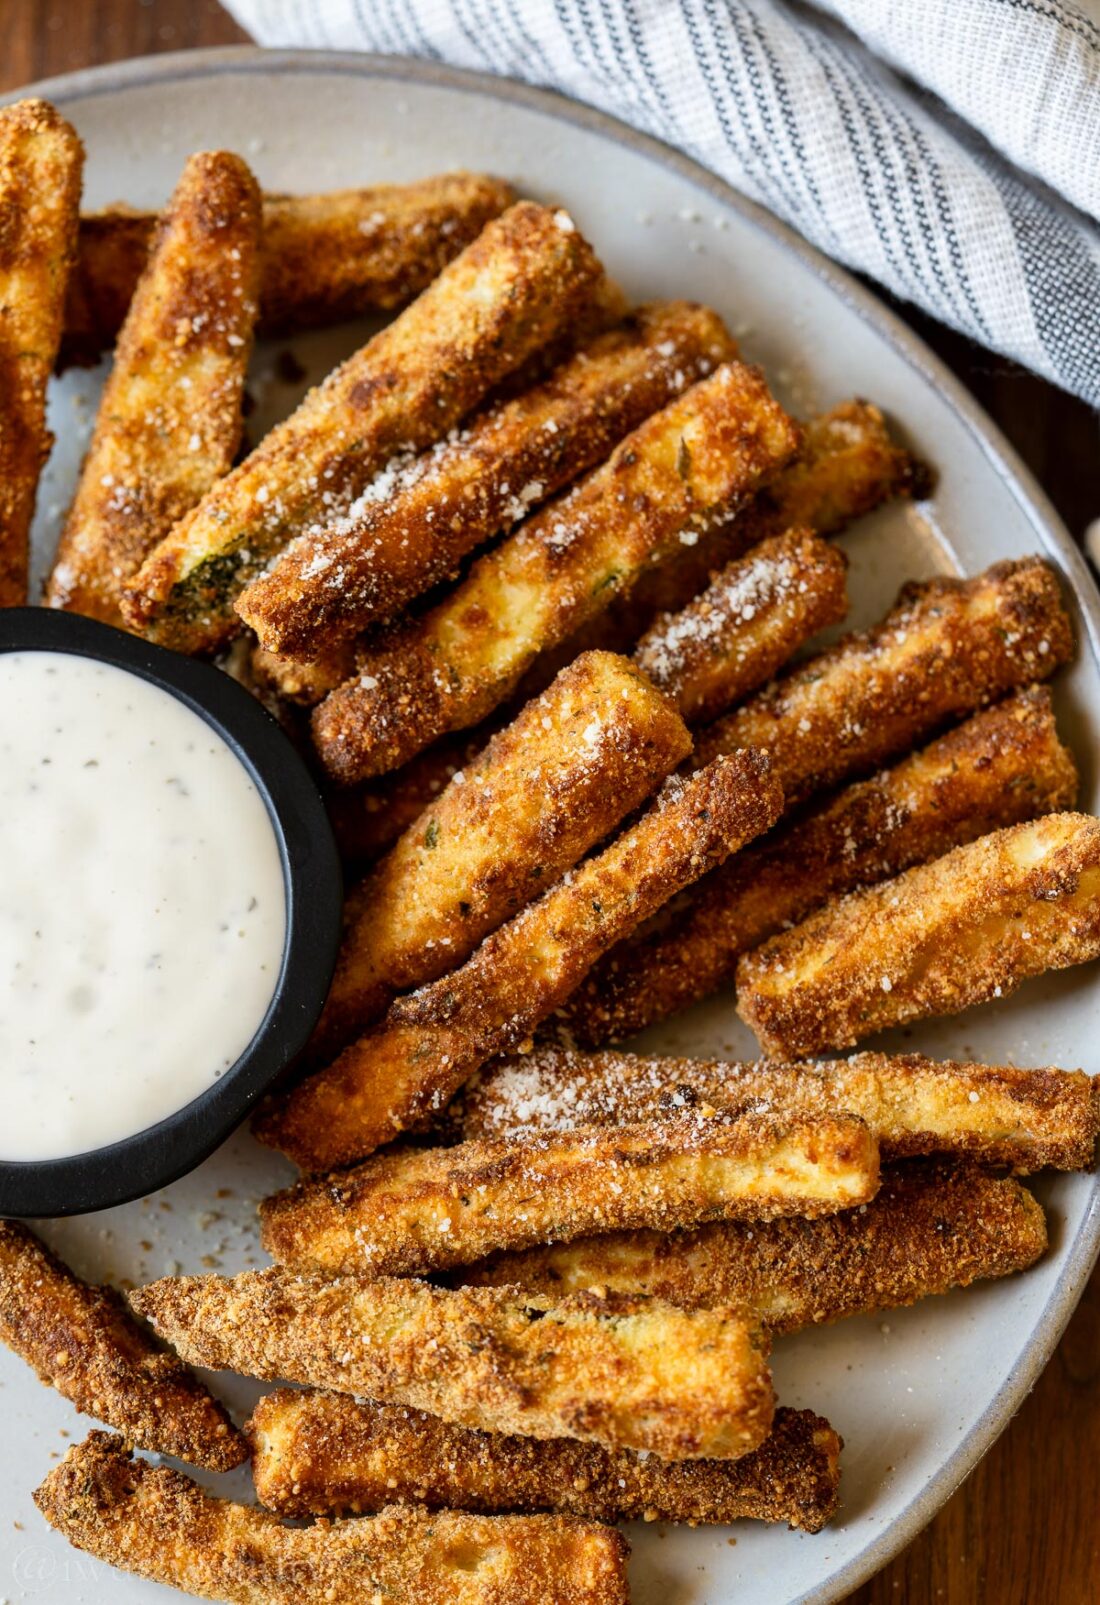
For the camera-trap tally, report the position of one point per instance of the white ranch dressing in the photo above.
(142, 905)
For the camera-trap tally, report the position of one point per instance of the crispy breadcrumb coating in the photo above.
(550, 786)
(1001, 766)
(325, 258)
(407, 1068)
(964, 929)
(322, 1454)
(41, 160)
(419, 1210)
(946, 647)
(933, 1226)
(665, 483)
(414, 525)
(752, 617)
(630, 1373)
(159, 1524)
(996, 1114)
(84, 1342)
(169, 420)
(848, 465)
(522, 279)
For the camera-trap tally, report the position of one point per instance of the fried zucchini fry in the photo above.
(523, 278)
(84, 1342)
(326, 1454)
(412, 526)
(946, 647)
(562, 775)
(753, 616)
(325, 257)
(410, 1066)
(41, 160)
(663, 484)
(966, 928)
(1027, 1119)
(630, 1373)
(934, 1226)
(997, 768)
(419, 1210)
(169, 422)
(155, 1522)
(848, 466)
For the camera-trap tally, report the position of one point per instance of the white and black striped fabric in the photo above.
(948, 148)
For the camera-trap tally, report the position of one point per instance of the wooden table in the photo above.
(1023, 1530)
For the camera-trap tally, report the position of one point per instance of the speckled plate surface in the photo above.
(920, 1395)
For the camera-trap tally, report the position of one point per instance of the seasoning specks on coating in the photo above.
(154, 1522)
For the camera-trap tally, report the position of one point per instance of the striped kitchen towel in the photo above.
(948, 148)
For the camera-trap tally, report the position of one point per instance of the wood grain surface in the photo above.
(1023, 1529)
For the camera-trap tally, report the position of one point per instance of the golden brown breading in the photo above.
(321, 1454)
(662, 485)
(325, 257)
(934, 1226)
(41, 160)
(169, 421)
(966, 928)
(368, 819)
(999, 767)
(848, 466)
(524, 277)
(159, 1524)
(413, 526)
(992, 1113)
(753, 616)
(945, 648)
(84, 1342)
(630, 1373)
(410, 1066)
(418, 1210)
(562, 775)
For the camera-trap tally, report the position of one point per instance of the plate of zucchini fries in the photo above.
(690, 1171)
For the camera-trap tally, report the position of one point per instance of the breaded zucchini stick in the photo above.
(169, 421)
(934, 1226)
(945, 648)
(412, 527)
(663, 484)
(753, 616)
(418, 1210)
(155, 1522)
(848, 466)
(630, 1373)
(1027, 1119)
(84, 1342)
(41, 161)
(551, 785)
(966, 928)
(325, 257)
(524, 277)
(1001, 766)
(324, 1454)
(431, 1041)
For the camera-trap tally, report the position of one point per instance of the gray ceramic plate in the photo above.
(919, 1396)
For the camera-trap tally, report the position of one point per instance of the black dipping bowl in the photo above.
(314, 894)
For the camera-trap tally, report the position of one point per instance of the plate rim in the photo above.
(202, 64)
